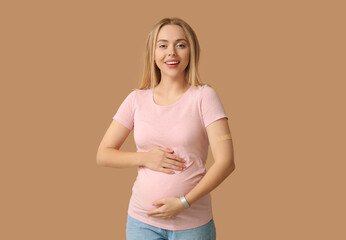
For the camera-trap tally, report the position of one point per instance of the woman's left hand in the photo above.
(169, 208)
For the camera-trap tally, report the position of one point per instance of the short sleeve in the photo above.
(211, 106)
(125, 113)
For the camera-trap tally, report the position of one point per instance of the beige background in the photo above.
(278, 67)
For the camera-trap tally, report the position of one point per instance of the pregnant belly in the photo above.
(152, 185)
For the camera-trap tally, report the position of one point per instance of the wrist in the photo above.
(189, 199)
(141, 159)
(184, 202)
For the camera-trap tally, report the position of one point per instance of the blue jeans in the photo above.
(137, 230)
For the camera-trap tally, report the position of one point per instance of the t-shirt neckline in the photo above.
(172, 104)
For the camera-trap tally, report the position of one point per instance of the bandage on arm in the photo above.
(224, 137)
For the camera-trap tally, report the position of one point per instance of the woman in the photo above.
(174, 117)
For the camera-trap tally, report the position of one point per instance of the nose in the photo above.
(172, 52)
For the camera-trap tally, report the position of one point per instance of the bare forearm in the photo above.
(217, 173)
(111, 157)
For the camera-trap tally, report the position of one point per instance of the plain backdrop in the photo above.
(277, 66)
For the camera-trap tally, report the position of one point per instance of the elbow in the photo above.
(226, 167)
(99, 158)
(98, 161)
(231, 168)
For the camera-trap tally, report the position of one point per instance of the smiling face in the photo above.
(172, 52)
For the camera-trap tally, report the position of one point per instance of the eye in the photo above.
(181, 45)
(162, 45)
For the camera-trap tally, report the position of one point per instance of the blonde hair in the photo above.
(151, 73)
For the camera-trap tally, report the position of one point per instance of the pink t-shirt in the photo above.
(181, 127)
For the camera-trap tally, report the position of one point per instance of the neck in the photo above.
(173, 85)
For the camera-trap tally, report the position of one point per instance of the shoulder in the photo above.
(138, 93)
(137, 97)
(205, 91)
(203, 88)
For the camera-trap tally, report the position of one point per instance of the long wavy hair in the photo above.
(151, 73)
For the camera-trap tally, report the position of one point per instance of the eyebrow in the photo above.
(164, 40)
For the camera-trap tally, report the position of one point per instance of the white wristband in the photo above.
(184, 201)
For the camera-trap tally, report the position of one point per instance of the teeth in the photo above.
(172, 62)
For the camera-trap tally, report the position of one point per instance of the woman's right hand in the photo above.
(163, 160)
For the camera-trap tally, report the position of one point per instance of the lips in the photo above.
(172, 65)
(172, 60)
